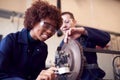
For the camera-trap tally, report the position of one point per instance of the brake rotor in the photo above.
(71, 55)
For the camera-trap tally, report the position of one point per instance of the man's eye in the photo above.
(67, 21)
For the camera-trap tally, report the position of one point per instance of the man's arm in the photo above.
(101, 38)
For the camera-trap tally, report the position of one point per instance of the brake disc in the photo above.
(70, 55)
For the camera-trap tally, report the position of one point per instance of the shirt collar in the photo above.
(22, 36)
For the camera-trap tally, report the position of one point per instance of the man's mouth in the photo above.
(65, 29)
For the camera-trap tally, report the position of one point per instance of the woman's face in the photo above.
(68, 23)
(43, 30)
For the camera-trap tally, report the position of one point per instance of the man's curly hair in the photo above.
(41, 10)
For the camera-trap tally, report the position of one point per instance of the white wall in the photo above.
(103, 14)
(7, 26)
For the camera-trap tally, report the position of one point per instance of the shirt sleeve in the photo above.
(99, 37)
(5, 50)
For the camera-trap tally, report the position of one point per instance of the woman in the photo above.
(23, 54)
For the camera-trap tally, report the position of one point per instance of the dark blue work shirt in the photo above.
(93, 38)
(19, 58)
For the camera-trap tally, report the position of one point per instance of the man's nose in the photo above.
(64, 26)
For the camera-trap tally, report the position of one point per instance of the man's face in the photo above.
(68, 23)
(43, 30)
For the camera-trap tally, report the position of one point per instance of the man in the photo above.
(88, 38)
(23, 54)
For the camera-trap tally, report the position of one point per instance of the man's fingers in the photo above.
(69, 31)
(66, 37)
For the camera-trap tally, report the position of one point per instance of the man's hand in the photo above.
(47, 74)
(73, 33)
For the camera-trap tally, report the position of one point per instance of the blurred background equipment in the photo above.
(116, 67)
(7, 14)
